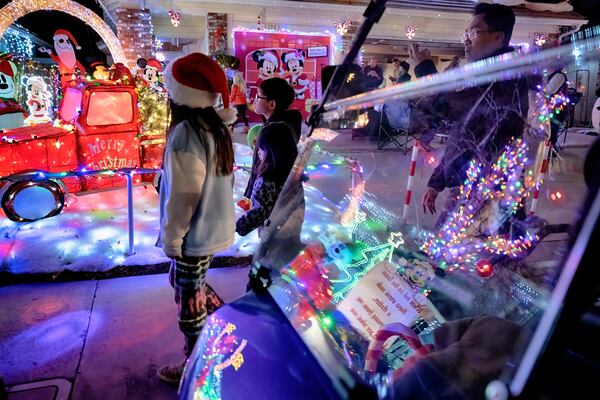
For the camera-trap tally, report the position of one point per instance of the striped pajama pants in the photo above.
(194, 297)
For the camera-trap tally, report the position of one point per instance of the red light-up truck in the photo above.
(100, 132)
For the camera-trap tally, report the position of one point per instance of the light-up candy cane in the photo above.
(540, 177)
(375, 350)
(411, 176)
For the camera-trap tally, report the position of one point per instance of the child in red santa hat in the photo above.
(197, 217)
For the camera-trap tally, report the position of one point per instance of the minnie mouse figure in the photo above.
(267, 64)
(294, 64)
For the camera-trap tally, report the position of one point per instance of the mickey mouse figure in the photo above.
(267, 64)
(294, 64)
(12, 115)
(151, 74)
(38, 99)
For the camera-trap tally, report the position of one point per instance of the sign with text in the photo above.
(317, 51)
(380, 298)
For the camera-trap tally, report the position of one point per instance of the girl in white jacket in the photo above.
(197, 217)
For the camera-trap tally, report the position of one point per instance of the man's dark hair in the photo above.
(405, 65)
(280, 91)
(498, 17)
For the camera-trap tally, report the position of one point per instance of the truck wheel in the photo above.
(28, 201)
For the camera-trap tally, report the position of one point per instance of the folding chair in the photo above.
(394, 125)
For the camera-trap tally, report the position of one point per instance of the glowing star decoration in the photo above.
(396, 239)
(457, 245)
(369, 258)
(342, 27)
(175, 17)
(158, 44)
(540, 40)
(221, 350)
(411, 32)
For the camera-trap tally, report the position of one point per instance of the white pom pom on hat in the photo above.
(196, 81)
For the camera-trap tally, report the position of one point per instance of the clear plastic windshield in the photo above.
(423, 227)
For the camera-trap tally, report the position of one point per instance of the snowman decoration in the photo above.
(38, 100)
(12, 115)
(294, 65)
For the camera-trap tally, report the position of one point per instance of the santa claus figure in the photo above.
(12, 115)
(294, 65)
(65, 56)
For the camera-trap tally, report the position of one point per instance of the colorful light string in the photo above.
(455, 246)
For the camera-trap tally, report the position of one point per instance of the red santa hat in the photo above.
(7, 67)
(69, 35)
(269, 56)
(195, 80)
(154, 63)
(295, 55)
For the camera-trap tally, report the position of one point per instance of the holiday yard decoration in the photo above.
(12, 115)
(38, 99)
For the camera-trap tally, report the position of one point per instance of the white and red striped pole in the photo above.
(411, 177)
(540, 177)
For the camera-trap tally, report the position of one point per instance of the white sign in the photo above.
(317, 51)
(382, 297)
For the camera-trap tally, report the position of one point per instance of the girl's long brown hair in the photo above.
(223, 157)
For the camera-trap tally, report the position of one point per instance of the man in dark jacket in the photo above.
(483, 119)
(373, 75)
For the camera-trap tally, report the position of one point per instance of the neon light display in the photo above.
(455, 245)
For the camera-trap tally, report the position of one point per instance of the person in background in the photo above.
(277, 152)
(272, 101)
(237, 97)
(197, 217)
(400, 73)
(454, 63)
(373, 74)
(484, 119)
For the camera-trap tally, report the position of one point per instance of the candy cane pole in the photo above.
(540, 177)
(411, 177)
(375, 350)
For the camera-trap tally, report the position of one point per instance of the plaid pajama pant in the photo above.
(194, 297)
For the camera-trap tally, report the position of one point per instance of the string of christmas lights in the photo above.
(455, 245)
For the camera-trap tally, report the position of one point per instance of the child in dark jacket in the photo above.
(272, 101)
(277, 152)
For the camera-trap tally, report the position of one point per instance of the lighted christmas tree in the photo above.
(153, 112)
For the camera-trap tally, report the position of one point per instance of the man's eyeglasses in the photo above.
(261, 97)
(472, 34)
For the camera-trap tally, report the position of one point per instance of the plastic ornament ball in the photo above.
(253, 135)
(484, 268)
